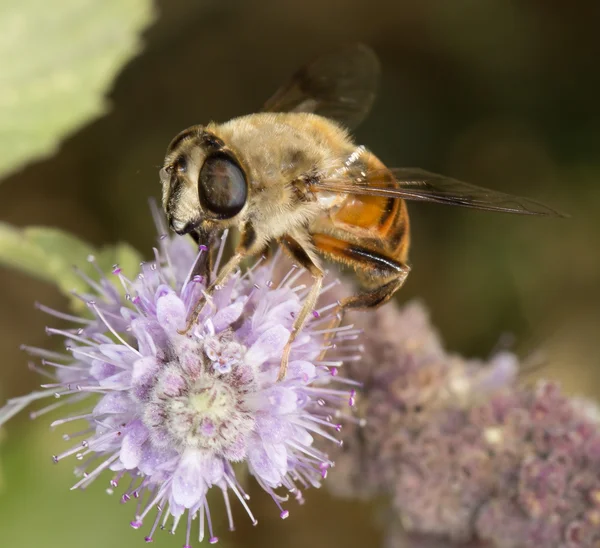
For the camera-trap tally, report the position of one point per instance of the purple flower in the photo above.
(172, 412)
(465, 453)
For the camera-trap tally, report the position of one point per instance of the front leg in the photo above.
(299, 255)
(208, 239)
(246, 247)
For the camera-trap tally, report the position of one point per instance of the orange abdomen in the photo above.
(379, 222)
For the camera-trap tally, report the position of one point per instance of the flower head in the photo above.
(173, 412)
(466, 454)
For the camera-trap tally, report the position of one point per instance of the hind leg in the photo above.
(375, 297)
(384, 274)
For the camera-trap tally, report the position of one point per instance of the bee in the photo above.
(292, 174)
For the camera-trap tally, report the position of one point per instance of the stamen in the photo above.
(64, 366)
(69, 335)
(294, 278)
(76, 350)
(324, 422)
(163, 525)
(344, 328)
(89, 478)
(69, 437)
(92, 283)
(37, 369)
(155, 501)
(15, 405)
(315, 453)
(350, 334)
(111, 329)
(201, 525)
(43, 353)
(228, 508)
(159, 513)
(162, 272)
(188, 531)
(234, 488)
(71, 419)
(212, 539)
(35, 414)
(250, 271)
(291, 271)
(316, 430)
(298, 288)
(92, 260)
(67, 453)
(62, 315)
(329, 286)
(314, 351)
(220, 252)
(193, 268)
(176, 520)
(125, 282)
(283, 514)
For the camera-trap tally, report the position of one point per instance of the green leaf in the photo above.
(51, 255)
(59, 59)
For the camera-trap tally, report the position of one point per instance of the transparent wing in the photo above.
(417, 184)
(341, 85)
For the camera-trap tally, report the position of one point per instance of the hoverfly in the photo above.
(292, 174)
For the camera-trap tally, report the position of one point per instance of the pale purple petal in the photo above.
(268, 345)
(114, 403)
(131, 449)
(171, 313)
(189, 484)
(226, 316)
(269, 461)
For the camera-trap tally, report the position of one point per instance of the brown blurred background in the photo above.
(497, 93)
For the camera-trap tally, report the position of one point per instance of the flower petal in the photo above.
(269, 462)
(226, 316)
(113, 403)
(171, 313)
(131, 448)
(189, 481)
(282, 400)
(270, 344)
(272, 429)
(303, 370)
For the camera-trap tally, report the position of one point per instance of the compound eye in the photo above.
(222, 186)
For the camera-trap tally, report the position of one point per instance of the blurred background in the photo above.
(498, 93)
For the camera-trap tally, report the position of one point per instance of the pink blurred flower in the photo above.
(466, 454)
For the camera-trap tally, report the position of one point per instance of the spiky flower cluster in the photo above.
(173, 412)
(466, 454)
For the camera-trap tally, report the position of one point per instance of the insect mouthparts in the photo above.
(181, 227)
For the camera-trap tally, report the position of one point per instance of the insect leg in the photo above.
(245, 248)
(384, 274)
(299, 255)
(209, 239)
